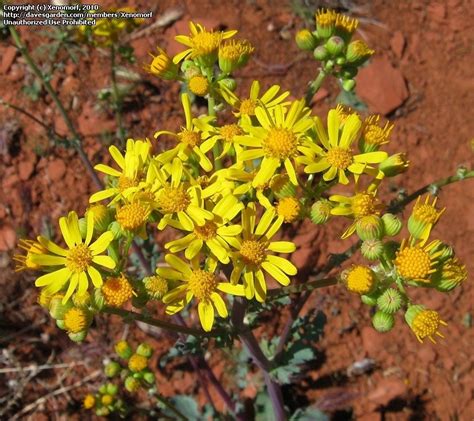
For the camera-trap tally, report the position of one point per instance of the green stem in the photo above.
(216, 150)
(117, 101)
(39, 74)
(170, 406)
(273, 294)
(314, 87)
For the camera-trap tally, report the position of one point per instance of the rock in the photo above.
(397, 43)
(427, 354)
(8, 58)
(16, 73)
(437, 12)
(60, 126)
(387, 390)
(373, 342)
(7, 238)
(381, 86)
(320, 95)
(70, 85)
(56, 169)
(92, 123)
(25, 169)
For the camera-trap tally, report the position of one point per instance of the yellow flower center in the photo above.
(360, 279)
(117, 291)
(173, 199)
(426, 323)
(247, 107)
(339, 157)
(137, 363)
(202, 284)
(75, 320)
(413, 263)
(280, 143)
(206, 232)
(121, 347)
(156, 286)
(124, 183)
(363, 204)
(81, 300)
(233, 50)
(229, 131)
(288, 208)
(78, 258)
(325, 17)
(361, 48)
(253, 252)
(89, 401)
(107, 400)
(373, 133)
(205, 43)
(425, 213)
(199, 85)
(132, 216)
(190, 137)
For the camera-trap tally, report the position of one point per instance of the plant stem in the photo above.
(117, 101)
(275, 293)
(76, 138)
(216, 150)
(170, 406)
(314, 87)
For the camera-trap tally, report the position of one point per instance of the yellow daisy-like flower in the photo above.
(254, 254)
(289, 208)
(226, 135)
(137, 363)
(374, 135)
(76, 320)
(246, 107)
(190, 138)
(24, 262)
(203, 45)
(279, 139)
(89, 401)
(176, 199)
(423, 218)
(162, 66)
(234, 54)
(77, 263)
(200, 283)
(360, 279)
(424, 323)
(416, 261)
(117, 291)
(335, 158)
(216, 234)
(132, 170)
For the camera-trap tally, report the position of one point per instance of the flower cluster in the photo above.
(225, 188)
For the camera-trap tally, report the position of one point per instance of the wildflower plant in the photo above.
(225, 190)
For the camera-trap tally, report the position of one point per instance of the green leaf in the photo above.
(187, 406)
(309, 414)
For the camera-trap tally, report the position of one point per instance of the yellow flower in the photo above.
(416, 261)
(137, 363)
(374, 135)
(24, 262)
(226, 134)
(360, 279)
(190, 138)
(133, 216)
(203, 45)
(199, 85)
(289, 208)
(279, 140)
(358, 52)
(156, 286)
(117, 291)
(216, 234)
(162, 66)
(423, 218)
(132, 170)
(335, 157)
(76, 264)
(424, 323)
(75, 320)
(177, 199)
(203, 284)
(89, 401)
(246, 107)
(234, 54)
(254, 250)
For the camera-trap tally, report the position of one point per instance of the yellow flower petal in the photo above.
(71, 288)
(276, 273)
(63, 226)
(95, 276)
(260, 286)
(282, 246)
(206, 315)
(219, 303)
(283, 264)
(105, 261)
(58, 278)
(193, 249)
(52, 247)
(265, 222)
(48, 260)
(89, 228)
(99, 245)
(107, 170)
(178, 264)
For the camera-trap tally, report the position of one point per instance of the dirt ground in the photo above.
(421, 78)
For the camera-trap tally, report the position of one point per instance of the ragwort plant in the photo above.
(227, 191)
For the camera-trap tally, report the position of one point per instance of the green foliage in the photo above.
(351, 100)
(309, 414)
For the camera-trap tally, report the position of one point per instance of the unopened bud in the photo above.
(320, 53)
(392, 224)
(394, 165)
(131, 384)
(372, 249)
(383, 322)
(348, 85)
(123, 350)
(320, 211)
(390, 301)
(145, 350)
(335, 45)
(370, 227)
(305, 40)
(112, 369)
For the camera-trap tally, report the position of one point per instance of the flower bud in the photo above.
(81, 300)
(229, 83)
(112, 369)
(348, 72)
(372, 249)
(383, 322)
(320, 53)
(446, 252)
(320, 211)
(305, 40)
(360, 279)
(102, 411)
(116, 230)
(77, 337)
(102, 217)
(390, 301)
(162, 66)
(392, 224)
(340, 61)
(329, 65)
(282, 187)
(57, 309)
(145, 350)
(394, 165)
(370, 299)
(155, 286)
(198, 85)
(98, 300)
(137, 363)
(112, 389)
(131, 384)
(149, 377)
(370, 227)
(451, 274)
(348, 85)
(358, 52)
(423, 322)
(123, 350)
(335, 45)
(60, 324)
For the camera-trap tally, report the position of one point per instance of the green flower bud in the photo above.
(282, 187)
(335, 45)
(78, 337)
(348, 85)
(116, 230)
(358, 52)
(394, 165)
(57, 309)
(60, 324)
(123, 350)
(370, 227)
(383, 322)
(98, 300)
(446, 252)
(305, 40)
(320, 211)
(390, 301)
(392, 224)
(145, 350)
(451, 274)
(372, 249)
(149, 377)
(229, 83)
(112, 389)
(131, 384)
(103, 411)
(103, 389)
(329, 65)
(81, 300)
(340, 61)
(320, 53)
(370, 299)
(112, 369)
(348, 72)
